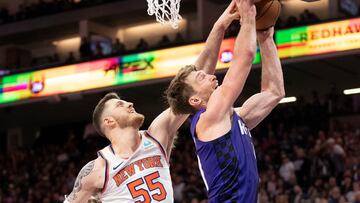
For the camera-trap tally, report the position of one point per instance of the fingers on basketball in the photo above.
(267, 13)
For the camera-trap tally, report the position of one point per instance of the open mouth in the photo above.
(216, 82)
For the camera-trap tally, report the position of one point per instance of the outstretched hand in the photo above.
(246, 9)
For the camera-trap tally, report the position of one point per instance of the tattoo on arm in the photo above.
(85, 171)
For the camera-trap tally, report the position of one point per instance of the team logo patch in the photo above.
(148, 144)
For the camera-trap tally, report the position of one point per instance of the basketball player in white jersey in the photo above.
(135, 166)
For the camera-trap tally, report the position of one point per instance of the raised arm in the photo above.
(165, 126)
(223, 98)
(88, 182)
(257, 107)
(209, 55)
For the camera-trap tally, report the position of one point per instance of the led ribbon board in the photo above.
(319, 39)
(107, 72)
(294, 42)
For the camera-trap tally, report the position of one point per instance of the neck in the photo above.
(125, 141)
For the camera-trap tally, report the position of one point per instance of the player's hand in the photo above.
(230, 14)
(264, 35)
(247, 11)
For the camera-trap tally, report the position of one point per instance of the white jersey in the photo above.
(144, 177)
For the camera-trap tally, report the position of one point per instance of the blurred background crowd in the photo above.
(303, 156)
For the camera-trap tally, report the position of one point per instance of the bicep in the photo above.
(257, 107)
(220, 103)
(225, 95)
(84, 185)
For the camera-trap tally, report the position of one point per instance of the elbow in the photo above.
(279, 95)
(248, 55)
(276, 93)
(251, 53)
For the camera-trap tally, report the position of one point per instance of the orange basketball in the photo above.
(267, 12)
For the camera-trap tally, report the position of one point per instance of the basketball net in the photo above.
(166, 11)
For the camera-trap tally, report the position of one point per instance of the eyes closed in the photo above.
(201, 76)
(119, 103)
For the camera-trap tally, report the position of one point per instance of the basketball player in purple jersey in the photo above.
(221, 133)
(135, 166)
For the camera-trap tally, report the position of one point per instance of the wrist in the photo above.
(248, 22)
(219, 25)
(266, 44)
(268, 40)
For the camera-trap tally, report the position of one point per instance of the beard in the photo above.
(135, 120)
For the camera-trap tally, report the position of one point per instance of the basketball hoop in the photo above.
(166, 11)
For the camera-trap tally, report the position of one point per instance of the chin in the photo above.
(138, 120)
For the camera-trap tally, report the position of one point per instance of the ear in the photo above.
(194, 101)
(109, 121)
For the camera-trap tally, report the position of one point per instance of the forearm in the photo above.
(244, 53)
(209, 55)
(245, 43)
(272, 75)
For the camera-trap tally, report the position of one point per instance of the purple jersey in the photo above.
(228, 163)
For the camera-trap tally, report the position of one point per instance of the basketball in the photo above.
(267, 12)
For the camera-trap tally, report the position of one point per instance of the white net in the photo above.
(166, 11)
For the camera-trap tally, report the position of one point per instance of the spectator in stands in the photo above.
(291, 21)
(98, 50)
(118, 47)
(4, 15)
(179, 38)
(335, 196)
(297, 195)
(85, 49)
(302, 167)
(280, 23)
(357, 197)
(142, 45)
(178, 185)
(263, 197)
(55, 58)
(165, 41)
(71, 58)
(336, 155)
(287, 168)
(346, 184)
(310, 17)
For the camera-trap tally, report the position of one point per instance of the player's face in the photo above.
(204, 84)
(120, 113)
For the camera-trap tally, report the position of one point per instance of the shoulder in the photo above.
(212, 117)
(93, 173)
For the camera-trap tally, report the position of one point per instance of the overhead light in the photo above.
(352, 91)
(288, 100)
(67, 42)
